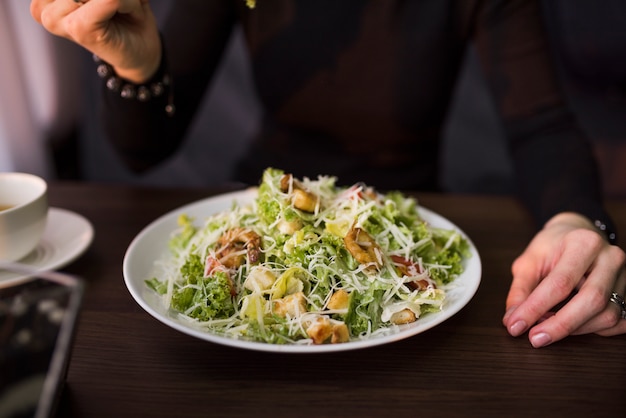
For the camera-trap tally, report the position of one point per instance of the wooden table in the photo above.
(127, 364)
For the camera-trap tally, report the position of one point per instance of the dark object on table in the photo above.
(37, 321)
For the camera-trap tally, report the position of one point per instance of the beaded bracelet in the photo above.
(143, 92)
(611, 235)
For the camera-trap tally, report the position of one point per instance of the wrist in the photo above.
(159, 85)
(138, 61)
(604, 227)
(607, 229)
(571, 218)
(142, 74)
(136, 76)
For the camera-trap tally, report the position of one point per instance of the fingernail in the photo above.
(518, 328)
(540, 340)
(508, 313)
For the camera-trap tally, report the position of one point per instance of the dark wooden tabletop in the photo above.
(127, 364)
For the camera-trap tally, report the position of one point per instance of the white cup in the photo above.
(23, 214)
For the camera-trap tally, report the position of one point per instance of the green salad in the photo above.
(309, 262)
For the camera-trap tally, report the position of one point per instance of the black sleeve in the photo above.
(195, 34)
(553, 160)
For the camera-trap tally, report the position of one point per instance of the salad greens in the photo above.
(309, 262)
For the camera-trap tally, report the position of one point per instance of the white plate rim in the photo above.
(466, 284)
(56, 248)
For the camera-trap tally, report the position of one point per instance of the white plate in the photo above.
(67, 236)
(151, 245)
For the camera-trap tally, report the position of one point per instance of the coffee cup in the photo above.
(23, 214)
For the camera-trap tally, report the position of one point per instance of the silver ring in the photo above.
(619, 301)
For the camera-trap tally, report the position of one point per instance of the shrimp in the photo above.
(363, 247)
(236, 245)
(300, 197)
(410, 269)
(212, 265)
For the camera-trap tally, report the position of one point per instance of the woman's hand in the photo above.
(121, 32)
(567, 258)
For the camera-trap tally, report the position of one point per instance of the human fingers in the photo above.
(612, 319)
(620, 326)
(130, 6)
(128, 37)
(124, 33)
(51, 14)
(36, 8)
(526, 274)
(589, 310)
(73, 18)
(608, 323)
(571, 263)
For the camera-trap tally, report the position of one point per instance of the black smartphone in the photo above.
(38, 317)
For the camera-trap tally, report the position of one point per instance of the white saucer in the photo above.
(67, 236)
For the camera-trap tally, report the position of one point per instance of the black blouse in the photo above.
(360, 89)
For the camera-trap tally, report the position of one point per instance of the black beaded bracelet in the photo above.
(607, 231)
(144, 92)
